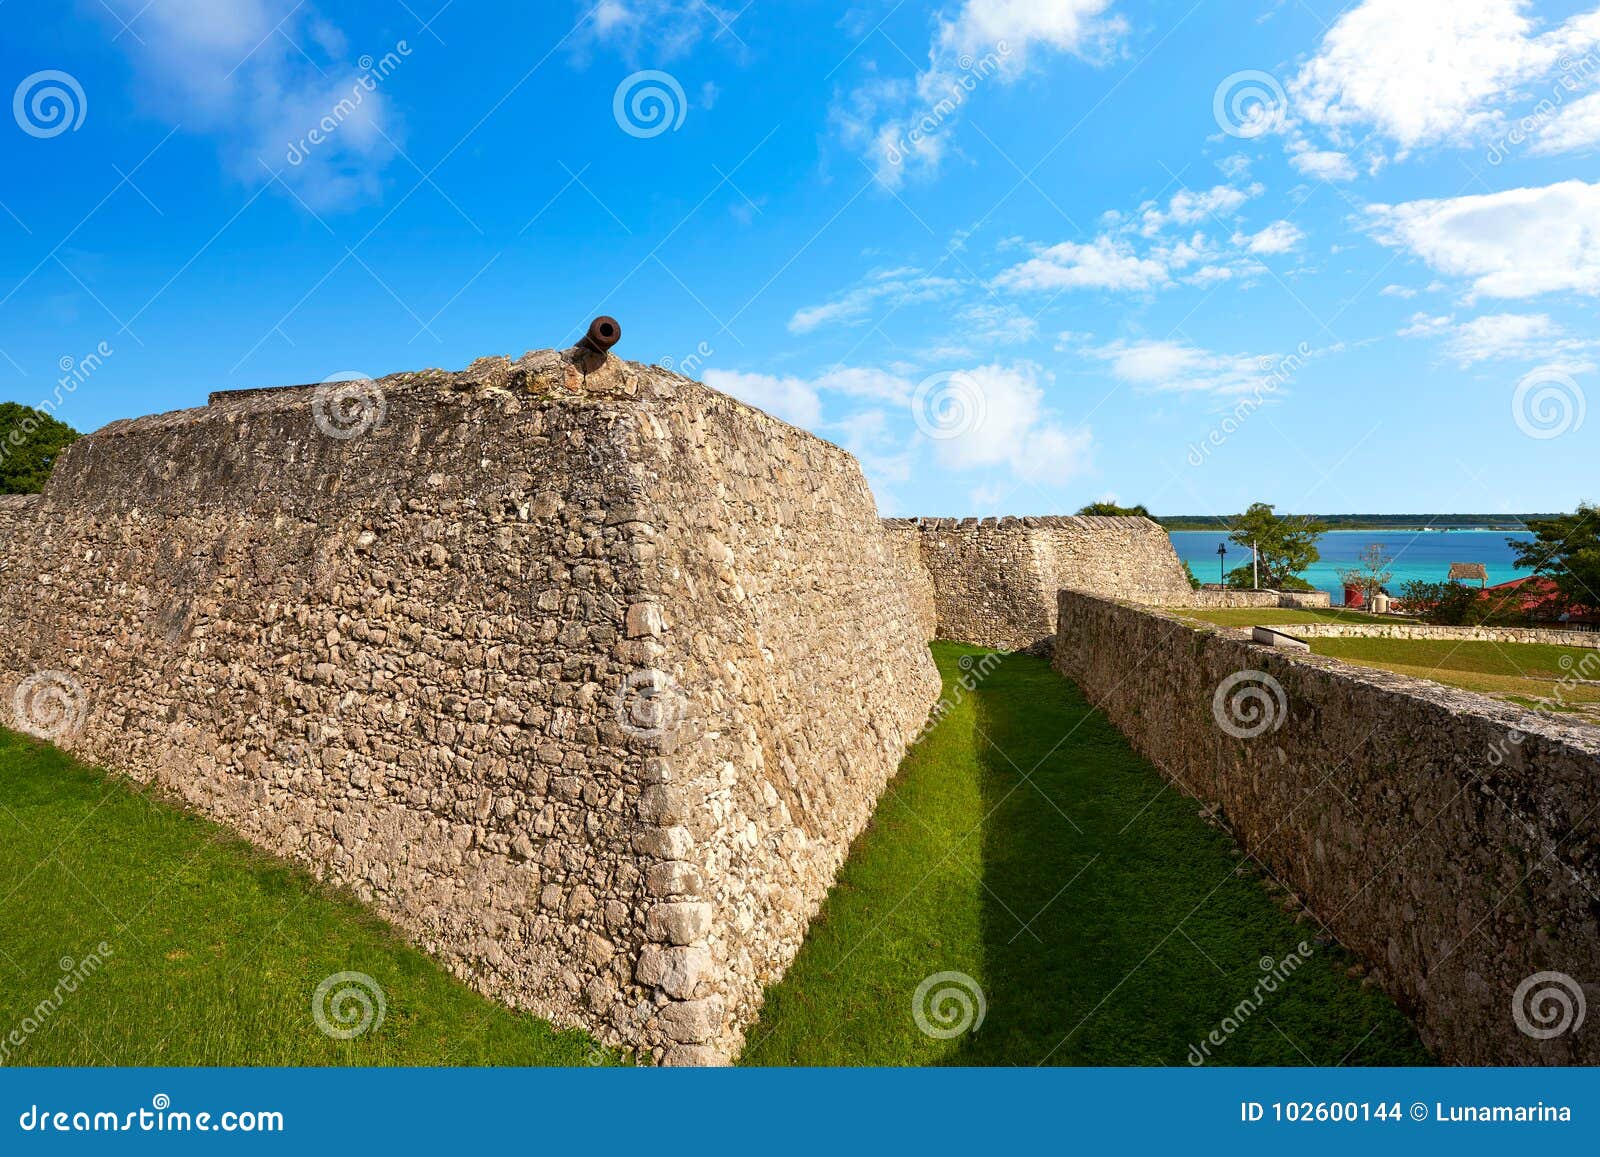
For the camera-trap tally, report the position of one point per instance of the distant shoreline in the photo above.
(1429, 523)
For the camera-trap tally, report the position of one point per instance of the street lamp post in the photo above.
(1222, 554)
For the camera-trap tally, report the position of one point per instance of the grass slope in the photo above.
(216, 949)
(1527, 673)
(1025, 845)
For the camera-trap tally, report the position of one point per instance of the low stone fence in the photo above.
(1205, 598)
(1450, 840)
(1409, 630)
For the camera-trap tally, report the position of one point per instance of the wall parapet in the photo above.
(1449, 839)
(1464, 634)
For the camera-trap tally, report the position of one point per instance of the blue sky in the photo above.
(1017, 255)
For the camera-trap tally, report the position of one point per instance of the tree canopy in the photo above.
(1566, 549)
(1112, 510)
(1284, 547)
(30, 443)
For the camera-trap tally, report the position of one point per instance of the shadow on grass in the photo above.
(1121, 928)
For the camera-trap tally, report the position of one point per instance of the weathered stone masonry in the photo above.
(994, 580)
(543, 664)
(1453, 841)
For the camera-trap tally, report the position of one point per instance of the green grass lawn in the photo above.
(215, 949)
(1276, 616)
(1526, 673)
(1025, 845)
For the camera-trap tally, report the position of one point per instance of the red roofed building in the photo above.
(1540, 599)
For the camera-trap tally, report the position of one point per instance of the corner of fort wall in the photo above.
(994, 580)
(540, 664)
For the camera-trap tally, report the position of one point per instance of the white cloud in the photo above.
(1278, 237)
(1138, 253)
(241, 71)
(895, 287)
(1429, 72)
(1323, 164)
(1179, 366)
(1008, 426)
(1497, 337)
(1575, 128)
(1397, 291)
(663, 30)
(1013, 429)
(791, 399)
(1188, 207)
(1104, 263)
(1512, 244)
(900, 126)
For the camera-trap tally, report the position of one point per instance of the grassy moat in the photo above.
(1023, 845)
(1105, 922)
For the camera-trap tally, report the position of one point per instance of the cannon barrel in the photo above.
(604, 332)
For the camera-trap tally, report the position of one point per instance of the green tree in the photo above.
(1284, 547)
(1566, 549)
(1112, 510)
(30, 443)
(1188, 573)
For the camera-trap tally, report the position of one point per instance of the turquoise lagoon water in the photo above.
(1417, 554)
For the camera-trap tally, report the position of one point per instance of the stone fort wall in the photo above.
(1452, 840)
(994, 580)
(537, 658)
